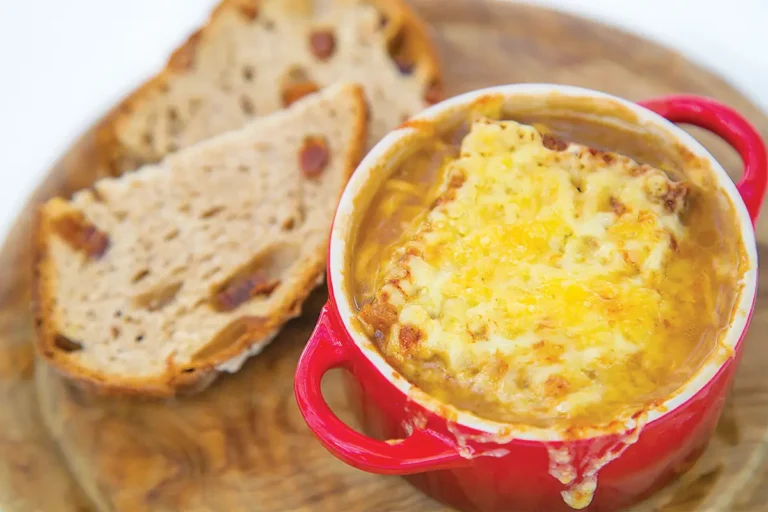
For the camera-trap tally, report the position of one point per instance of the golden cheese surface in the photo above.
(543, 282)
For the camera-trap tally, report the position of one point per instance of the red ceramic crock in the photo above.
(479, 465)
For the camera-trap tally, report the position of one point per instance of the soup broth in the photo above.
(689, 306)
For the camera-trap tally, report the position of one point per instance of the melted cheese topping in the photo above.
(534, 285)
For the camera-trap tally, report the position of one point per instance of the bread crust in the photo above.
(196, 375)
(109, 157)
(402, 20)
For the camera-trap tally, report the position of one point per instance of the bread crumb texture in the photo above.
(201, 256)
(256, 57)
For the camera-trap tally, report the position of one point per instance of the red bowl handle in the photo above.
(731, 127)
(423, 450)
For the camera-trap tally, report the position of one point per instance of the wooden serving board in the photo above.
(242, 444)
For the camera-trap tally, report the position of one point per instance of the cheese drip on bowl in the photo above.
(535, 288)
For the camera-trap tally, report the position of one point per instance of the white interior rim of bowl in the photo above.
(343, 225)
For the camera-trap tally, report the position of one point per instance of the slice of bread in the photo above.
(155, 281)
(254, 57)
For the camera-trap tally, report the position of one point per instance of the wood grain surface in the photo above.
(242, 444)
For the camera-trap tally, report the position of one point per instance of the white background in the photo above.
(63, 62)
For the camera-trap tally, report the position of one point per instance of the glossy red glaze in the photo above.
(328, 349)
(731, 127)
(475, 474)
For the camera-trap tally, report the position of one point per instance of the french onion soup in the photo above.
(533, 280)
